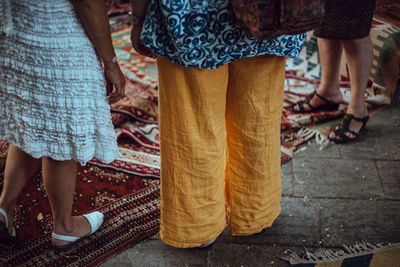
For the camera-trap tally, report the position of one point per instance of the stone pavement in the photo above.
(332, 197)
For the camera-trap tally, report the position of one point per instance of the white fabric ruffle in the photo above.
(6, 23)
(52, 90)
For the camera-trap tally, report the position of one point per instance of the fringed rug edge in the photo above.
(329, 255)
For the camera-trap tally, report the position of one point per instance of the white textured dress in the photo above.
(52, 89)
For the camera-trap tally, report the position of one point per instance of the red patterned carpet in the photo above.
(130, 204)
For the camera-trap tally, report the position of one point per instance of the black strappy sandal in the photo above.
(343, 128)
(328, 106)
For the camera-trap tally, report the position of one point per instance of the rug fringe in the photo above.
(328, 255)
(308, 133)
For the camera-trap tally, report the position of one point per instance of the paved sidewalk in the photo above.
(337, 196)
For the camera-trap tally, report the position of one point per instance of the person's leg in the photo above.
(20, 167)
(330, 53)
(192, 105)
(254, 112)
(359, 60)
(59, 178)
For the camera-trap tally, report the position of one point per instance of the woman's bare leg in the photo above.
(20, 167)
(60, 180)
(330, 53)
(359, 60)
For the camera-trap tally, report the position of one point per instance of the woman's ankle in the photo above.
(331, 93)
(65, 226)
(78, 227)
(358, 110)
(9, 208)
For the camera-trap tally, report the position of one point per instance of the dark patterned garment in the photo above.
(203, 34)
(346, 19)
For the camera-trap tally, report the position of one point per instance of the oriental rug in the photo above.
(134, 66)
(360, 255)
(130, 204)
(139, 103)
(139, 146)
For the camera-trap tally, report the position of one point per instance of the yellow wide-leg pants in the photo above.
(220, 148)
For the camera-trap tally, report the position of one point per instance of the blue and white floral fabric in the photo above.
(203, 34)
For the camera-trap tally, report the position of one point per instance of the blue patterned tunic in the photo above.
(203, 34)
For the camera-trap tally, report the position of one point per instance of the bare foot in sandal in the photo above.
(350, 128)
(82, 226)
(324, 101)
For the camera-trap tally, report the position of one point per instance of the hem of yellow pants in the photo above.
(257, 229)
(179, 244)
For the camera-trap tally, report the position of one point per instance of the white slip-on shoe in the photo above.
(4, 234)
(95, 220)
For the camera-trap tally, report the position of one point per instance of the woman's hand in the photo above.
(93, 15)
(115, 82)
(137, 43)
